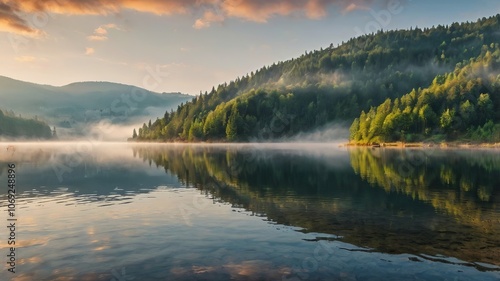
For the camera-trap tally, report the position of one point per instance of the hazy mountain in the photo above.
(76, 108)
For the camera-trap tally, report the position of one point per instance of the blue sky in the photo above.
(192, 45)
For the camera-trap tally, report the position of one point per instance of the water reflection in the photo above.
(428, 203)
(84, 172)
(247, 212)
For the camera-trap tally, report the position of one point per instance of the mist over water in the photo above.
(106, 131)
(330, 133)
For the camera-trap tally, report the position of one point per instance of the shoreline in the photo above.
(442, 145)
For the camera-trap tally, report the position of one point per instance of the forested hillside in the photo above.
(323, 86)
(463, 104)
(16, 127)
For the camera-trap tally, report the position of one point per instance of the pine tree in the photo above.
(232, 124)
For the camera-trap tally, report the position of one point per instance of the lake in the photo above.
(109, 211)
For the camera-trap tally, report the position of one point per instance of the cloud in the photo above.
(10, 21)
(25, 59)
(109, 26)
(200, 24)
(104, 7)
(101, 33)
(97, 38)
(213, 11)
(263, 10)
(89, 51)
(353, 7)
(208, 18)
(30, 59)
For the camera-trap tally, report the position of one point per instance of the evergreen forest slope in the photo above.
(337, 83)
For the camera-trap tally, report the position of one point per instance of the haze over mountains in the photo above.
(86, 109)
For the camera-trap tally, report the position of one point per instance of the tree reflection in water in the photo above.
(431, 202)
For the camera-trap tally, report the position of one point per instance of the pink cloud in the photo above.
(214, 11)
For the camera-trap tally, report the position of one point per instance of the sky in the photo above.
(189, 46)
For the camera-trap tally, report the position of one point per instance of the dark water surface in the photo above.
(89, 211)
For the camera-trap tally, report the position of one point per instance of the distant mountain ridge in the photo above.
(76, 106)
(102, 86)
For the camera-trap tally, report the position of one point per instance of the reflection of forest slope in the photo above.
(321, 195)
(452, 181)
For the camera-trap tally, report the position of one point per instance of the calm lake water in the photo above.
(251, 212)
